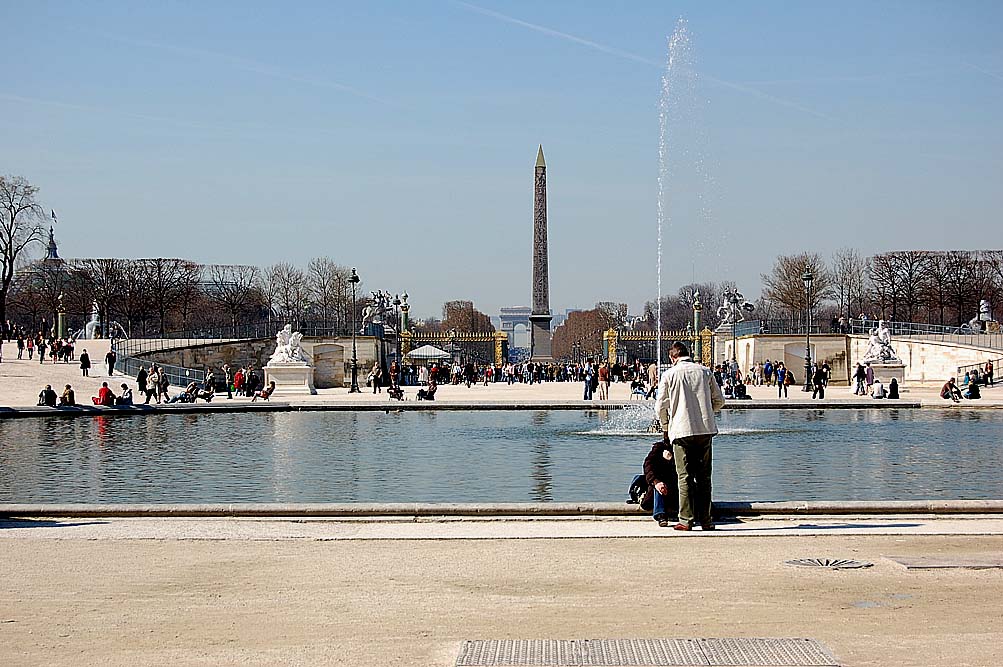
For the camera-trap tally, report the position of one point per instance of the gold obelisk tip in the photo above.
(539, 158)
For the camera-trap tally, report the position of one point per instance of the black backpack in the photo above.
(638, 487)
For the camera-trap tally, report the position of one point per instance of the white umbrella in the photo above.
(428, 352)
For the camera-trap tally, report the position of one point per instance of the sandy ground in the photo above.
(21, 381)
(121, 597)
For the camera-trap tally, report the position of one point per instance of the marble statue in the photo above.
(984, 316)
(287, 347)
(734, 307)
(879, 346)
(376, 311)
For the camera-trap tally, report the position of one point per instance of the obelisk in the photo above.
(540, 319)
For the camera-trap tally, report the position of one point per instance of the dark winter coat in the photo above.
(658, 469)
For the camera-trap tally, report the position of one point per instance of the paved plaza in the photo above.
(406, 592)
(21, 381)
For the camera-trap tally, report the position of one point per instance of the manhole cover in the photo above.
(829, 563)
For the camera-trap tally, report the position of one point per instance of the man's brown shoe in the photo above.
(682, 526)
(707, 526)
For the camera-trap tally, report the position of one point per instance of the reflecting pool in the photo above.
(491, 456)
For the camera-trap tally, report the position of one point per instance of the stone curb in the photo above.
(489, 510)
(188, 408)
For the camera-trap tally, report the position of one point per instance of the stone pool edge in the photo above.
(490, 510)
(134, 410)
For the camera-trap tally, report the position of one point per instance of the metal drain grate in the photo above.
(830, 563)
(736, 652)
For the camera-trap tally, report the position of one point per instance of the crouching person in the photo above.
(662, 497)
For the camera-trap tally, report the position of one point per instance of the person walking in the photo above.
(687, 399)
(228, 379)
(604, 372)
(989, 369)
(30, 345)
(376, 375)
(20, 346)
(652, 380)
(859, 376)
(85, 363)
(818, 382)
(781, 372)
(587, 396)
(110, 360)
(868, 376)
(41, 351)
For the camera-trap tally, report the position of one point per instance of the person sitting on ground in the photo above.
(973, 392)
(208, 392)
(662, 496)
(105, 397)
(893, 389)
(125, 398)
(47, 397)
(741, 392)
(265, 393)
(67, 398)
(428, 394)
(950, 391)
(186, 396)
(878, 389)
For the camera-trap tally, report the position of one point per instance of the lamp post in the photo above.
(807, 278)
(397, 333)
(733, 298)
(354, 389)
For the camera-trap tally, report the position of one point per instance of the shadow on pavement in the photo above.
(44, 523)
(837, 526)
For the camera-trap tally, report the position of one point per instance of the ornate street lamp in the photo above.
(807, 278)
(397, 335)
(354, 389)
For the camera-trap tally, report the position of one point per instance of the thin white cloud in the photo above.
(982, 70)
(627, 55)
(557, 33)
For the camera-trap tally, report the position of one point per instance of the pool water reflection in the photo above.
(490, 456)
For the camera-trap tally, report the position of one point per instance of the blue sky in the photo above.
(400, 137)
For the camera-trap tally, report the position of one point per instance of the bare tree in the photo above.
(233, 288)
(106, 279)
(285, 290)
(783, 285)
(327, 282)
(164, 278)
(20, 227)
(849, 276)
(462, 316)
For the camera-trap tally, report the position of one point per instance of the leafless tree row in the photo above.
(153, 296)
(933, 287)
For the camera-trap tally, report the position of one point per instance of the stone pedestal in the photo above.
(886, 370)
(290, 378)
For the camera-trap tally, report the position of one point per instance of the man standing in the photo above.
(228, 379)
(85, 363)
(989, 369)
(687, 399)
(110, 359)
(868, 375)
(818, 382)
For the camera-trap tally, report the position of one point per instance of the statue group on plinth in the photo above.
(879, 345)
(290, 365)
